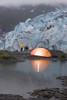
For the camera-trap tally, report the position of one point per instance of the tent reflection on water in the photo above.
(40, 65)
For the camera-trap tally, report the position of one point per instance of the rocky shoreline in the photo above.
(22, 56)
(57, 93)
(63, 80)
(53, 93)
(43, 94)
(10, 97)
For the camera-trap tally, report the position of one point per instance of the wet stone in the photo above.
(11, 97)
(49, 93)
(63, 80)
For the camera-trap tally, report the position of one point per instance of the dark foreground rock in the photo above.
(10, 97)
(57, 93)
(63, 79)
(53, 93)
(43, 94)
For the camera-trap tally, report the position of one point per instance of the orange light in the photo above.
(41, 52)
(40, 65)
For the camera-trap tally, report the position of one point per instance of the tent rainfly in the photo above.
(41, 52)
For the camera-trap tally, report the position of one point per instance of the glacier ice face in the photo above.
(47, 30)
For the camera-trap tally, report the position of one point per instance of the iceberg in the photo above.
(47, 30)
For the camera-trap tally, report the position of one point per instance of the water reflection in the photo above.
(40, 65)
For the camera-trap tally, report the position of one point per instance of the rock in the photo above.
(10, 97)
(51, 93)
(63, 79)
(53, 98)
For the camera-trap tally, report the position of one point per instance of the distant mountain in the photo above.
(46, 30)
(1, 32)
(10, 17)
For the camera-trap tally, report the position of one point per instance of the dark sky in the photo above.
(22, 2)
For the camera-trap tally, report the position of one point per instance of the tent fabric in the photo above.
(41, 52)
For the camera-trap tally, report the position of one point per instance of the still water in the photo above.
(23, 77)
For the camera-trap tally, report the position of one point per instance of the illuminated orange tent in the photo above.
(41, 52)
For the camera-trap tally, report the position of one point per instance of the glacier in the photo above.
(46, 30)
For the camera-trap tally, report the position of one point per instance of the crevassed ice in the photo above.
(47, 30)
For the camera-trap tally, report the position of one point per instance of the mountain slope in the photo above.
(47, 30)
(10, 17)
